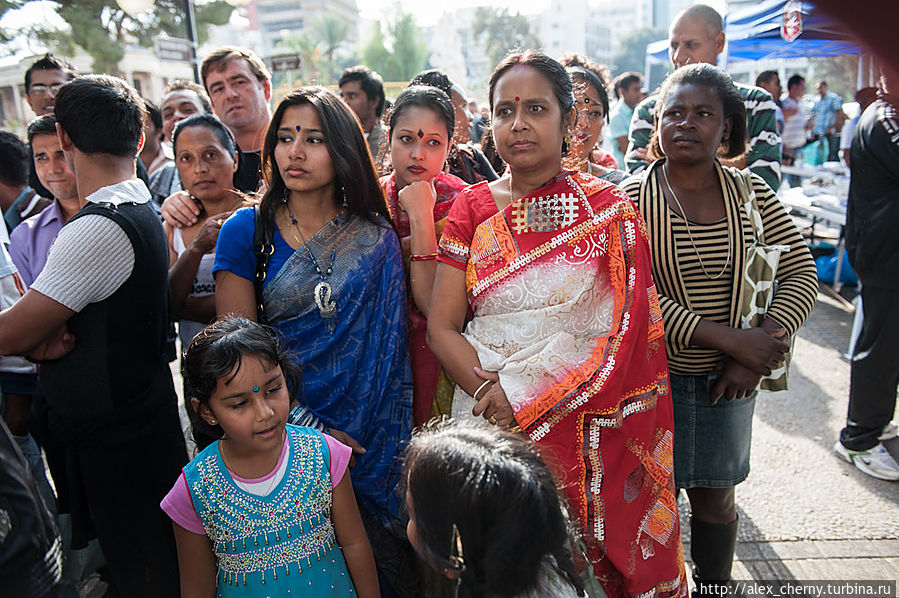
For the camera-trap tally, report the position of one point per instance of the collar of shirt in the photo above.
(130, 191)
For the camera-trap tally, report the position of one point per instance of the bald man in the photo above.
(697, 35)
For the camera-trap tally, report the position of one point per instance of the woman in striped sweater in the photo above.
(700, 233)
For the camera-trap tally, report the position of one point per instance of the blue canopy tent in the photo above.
(754, 33)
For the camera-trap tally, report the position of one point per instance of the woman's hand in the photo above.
(759, 349)
(348, 440)
(180, 210)
(736, 382)
(493, 404)
(417, 199)
(206, 238)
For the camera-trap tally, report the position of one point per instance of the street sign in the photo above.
(173, 48)
(286, 62)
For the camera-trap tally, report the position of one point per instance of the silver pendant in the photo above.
(326, 307)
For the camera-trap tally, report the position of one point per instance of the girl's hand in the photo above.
(758, 349)
(206, 238)
(493, 404)
(179, 210)
(348, 440)
(417, 199)
(736, 382)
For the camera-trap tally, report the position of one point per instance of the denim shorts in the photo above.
(711, 442)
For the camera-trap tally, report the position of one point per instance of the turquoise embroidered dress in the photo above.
(282, 544)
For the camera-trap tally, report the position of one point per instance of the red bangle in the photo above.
(424, 258)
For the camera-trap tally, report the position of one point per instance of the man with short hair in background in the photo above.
(770, 82)
(240, 87)
(363, 90)
(826, 119)
(697, 35)
(42, 80)
(629, 91)
(97, 316)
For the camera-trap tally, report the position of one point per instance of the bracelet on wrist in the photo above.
(425, 257)
(483, 384)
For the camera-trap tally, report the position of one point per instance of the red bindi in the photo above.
(517, 99)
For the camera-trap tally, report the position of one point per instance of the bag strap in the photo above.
(743, 181)
(263, 249)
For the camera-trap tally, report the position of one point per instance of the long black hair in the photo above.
(217, 352)
(424, 96)
(478, 495)
(355, 177)
(734, 107)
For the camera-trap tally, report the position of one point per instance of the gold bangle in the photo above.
(423, 257)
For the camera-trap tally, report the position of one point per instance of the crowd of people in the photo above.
(423, 352)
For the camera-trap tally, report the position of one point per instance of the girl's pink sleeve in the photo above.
(340, 459)
(179, 506)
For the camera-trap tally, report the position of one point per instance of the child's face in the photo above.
(251, 405)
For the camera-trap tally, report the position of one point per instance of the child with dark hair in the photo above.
(263, 497)
(331, 281)
(477, 495)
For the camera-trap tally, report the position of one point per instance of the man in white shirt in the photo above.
(98, 315)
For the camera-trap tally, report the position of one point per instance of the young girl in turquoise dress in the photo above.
(268, 509)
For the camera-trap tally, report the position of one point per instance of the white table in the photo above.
(829, 210)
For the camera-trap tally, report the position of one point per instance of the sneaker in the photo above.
(876, 462)
(889, 432)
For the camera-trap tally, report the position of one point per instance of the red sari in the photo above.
(426, 369)
(565, 310)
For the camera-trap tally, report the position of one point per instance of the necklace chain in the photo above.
(690, 234)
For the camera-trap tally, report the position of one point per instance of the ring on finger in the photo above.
(492, 419)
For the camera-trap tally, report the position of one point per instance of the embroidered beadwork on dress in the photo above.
(275, 535)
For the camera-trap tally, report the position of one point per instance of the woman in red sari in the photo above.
(419, 196)
(566, 342)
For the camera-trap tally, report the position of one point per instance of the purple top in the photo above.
(29, 243)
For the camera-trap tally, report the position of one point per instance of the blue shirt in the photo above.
(824, 112)
(619, 124)
(234, 248)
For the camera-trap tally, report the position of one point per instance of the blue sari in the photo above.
(357, 377)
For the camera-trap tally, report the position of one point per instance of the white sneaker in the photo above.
(876, 462)
(889, 432)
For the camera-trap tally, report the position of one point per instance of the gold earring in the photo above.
(213, 422)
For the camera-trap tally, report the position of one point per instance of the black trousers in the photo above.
(875, 370)
(116, 484)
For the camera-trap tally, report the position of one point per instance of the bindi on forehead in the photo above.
(420, 134)
(517, 99)
(299, 128)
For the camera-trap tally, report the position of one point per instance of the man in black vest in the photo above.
(98, 315)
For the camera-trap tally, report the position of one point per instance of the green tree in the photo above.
(103, 29)
(331, 32)
(501, 32)
(631, 54)
(410, 52)
(840, 72)
(375, 54)
(307, 48)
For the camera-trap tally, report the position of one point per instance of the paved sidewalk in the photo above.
(804, 513)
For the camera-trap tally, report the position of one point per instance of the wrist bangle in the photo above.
(483, 384)
(424, 257)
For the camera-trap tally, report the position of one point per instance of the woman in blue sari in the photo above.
(333, 286)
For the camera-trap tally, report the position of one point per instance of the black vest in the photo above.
(117, 373)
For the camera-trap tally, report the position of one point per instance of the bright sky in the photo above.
(427, 12)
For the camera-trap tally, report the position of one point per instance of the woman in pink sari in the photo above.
(566, 343)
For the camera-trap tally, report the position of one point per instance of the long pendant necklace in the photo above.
(690, 234)
(322, 292)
